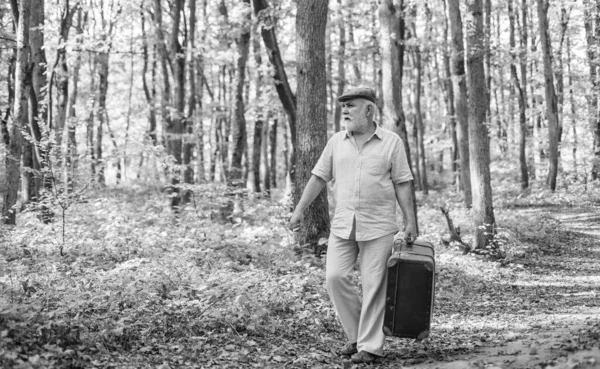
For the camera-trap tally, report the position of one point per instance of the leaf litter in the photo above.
(141, 288)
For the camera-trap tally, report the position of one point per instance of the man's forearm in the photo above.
(311, 191)
(404, 198)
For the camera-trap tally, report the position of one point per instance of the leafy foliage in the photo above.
(142, 287)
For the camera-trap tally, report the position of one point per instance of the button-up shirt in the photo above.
(363, 180)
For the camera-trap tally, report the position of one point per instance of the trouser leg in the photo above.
(341, 258)
(373, 265)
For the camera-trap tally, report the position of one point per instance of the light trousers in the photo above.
(362, 321)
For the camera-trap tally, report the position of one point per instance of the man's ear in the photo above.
(369, 110)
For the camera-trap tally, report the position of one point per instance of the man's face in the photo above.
(354, 115)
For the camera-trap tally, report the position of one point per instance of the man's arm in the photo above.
(404, 198)
(311, 191)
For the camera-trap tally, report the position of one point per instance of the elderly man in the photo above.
(369, 171)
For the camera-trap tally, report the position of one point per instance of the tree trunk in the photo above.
(20, 123)
(483, 211)
(35, 151)
(341, 71)
(273, 150)
(260, 129)
(551, 101)
(572, 105)
(191, 116)
(149, 92)
(592, 31)
(62, 76)
(391, 13)
(520, 97)
(282, 86)
(449, 96)
(311, 20)
(460, 85)
(355, 67)
(239, 126)
(422, 157)
(71, 157)
(102, 60)
(176, 126)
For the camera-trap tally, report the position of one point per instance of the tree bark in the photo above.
(551, 100)
(483, 211)
(460, 85)
(273, 151)
(391, 14)
(149, 92)
(311, 20)
(520, 97)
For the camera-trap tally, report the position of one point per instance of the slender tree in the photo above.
(239, 127)
(282, 86)
(479, 150)
(460, 86)
(520, 97)
(311, 20)
(551, 99)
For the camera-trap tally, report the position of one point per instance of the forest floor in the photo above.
(138, 287)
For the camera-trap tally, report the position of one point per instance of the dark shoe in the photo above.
(350, 349)
(364, 357)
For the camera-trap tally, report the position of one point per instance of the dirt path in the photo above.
(553, 304)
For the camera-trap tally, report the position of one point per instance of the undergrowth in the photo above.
(138, 284)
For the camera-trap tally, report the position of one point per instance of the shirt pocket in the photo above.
(375, 165)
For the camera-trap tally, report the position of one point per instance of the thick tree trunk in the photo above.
(391, 14)
(483, 211)
(551, 100)
(311, 20)
(460, 86)
(20, 123)
(341, 71)
(520, 97)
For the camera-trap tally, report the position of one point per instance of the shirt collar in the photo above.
(378, 132)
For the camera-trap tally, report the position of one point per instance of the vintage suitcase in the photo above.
(410, 290)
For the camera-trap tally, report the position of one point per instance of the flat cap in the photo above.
(358, 93)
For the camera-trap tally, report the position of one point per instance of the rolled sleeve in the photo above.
(324, 167)
(400, 169)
